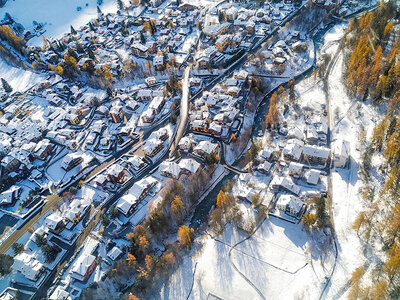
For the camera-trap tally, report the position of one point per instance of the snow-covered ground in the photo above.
(19, 79)
(276, 260)
(56, 15)
(349, 118)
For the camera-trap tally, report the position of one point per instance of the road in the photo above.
(51, 202)
(184, 110)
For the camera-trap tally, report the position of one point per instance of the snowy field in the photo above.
(56, 15)
(275, 260)
(19, 79)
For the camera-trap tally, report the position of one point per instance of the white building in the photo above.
(28, 266)
(341, 153)
(170, 169)
(189, 166)
(289, 204)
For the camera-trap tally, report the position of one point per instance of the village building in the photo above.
(341, 153)
(206, 148)
(28, 266)
(290, 205)
(189, 166)
(315, 154)
(115, 173)
(312, 176)
(55, 223)
(83, 267)
(170, 169)
(286, 184)
(71, 160)
(10, 196)
(293, 149)
(128, 202)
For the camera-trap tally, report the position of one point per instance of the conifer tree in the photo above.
(6, 86)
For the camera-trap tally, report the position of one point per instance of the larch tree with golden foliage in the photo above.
(177, 208)
(380, 291)
(132, 297)
(143, 243)
(392, 264)
(185, 235)
(131, 259)
(355, 289)
(223, 199)
(272, 118)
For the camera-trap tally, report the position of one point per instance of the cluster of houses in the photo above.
(230, 27)
(115, 42)
(219, 111)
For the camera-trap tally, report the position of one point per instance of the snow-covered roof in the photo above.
(189, 164)
(126, 202)
(312, 176)
(170, 168)
(206, 147)
(52, 221)
(114, 253)
(27, 265)
(315, 151)
(82, 265)
(286, 183)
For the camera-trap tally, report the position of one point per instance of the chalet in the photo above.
(264, 155)
(157, 104)
(186, 143)
(132, 104)
(43, 149)
(234, 91)
(216, 30)
(286, 184)
(55, 223)
(214, 128)
(158, 62)
(10, 196)
(115, 173)
(170, 169)
(150, 81)
(117, 113)
(146, 95)
(206, 148)
(71, 160)
(83, 267)
(314, 154)
(28, 266)
(140, 50)
(136, 162)
(203, 62)
(341, 153)
(312, 176)
(311, 135)
(295, 169)
(76, 210)
(148, 115)
(264, 167)
(290, 205)
(153, 146)
(10, 164)
(295, 133)
(100, 180)
(293, 149)
(231, 13)
(241, 75)
(222, 42)
(189, 166)
(127, 204)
